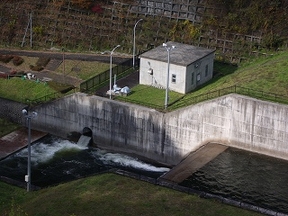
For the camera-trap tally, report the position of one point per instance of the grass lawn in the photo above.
(263, 74)
(80, 69)
(7, 127)
(148, 95)
(109, 194)
(83, 69)
(23, 90)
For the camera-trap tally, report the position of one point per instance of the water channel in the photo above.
(238, 175)
(55, 160)
(247, 177)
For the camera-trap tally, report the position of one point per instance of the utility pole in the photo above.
(26, 30)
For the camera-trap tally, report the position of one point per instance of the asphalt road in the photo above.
(117, 58)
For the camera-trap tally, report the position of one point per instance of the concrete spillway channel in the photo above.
(193, 162)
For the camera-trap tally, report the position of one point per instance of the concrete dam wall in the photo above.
(232, 120)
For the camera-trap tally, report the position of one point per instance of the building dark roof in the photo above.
(182, 54)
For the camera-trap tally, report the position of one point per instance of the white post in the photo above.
(168, 71)
(29, 155)
(29, 117)
(111, 54)
(134, 42)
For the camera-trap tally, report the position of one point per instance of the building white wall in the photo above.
(159, 76)
(183, 75)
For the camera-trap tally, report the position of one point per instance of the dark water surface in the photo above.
(55, 160)
(247, 177)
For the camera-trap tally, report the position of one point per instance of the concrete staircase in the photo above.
(53, 64)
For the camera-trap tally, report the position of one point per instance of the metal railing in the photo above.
(102, 79)
(268, 96)
(47, 98)
(183, 102)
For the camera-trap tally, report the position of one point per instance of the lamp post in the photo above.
(134, 41)
(63, 60)
(168, 71)
(111, 54)
(28, 117)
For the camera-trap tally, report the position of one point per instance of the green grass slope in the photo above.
(109, 194)
(269, 74)
(266, 76)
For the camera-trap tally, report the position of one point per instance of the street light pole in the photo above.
(168, 71)
(134, 41)
(28, 118)
(111, 54)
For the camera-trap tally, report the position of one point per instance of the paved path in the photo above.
(193, 162)
(17, 140)
(117, 58)
(131, 80)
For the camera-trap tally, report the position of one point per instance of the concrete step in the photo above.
(53, 64)
(193, 162)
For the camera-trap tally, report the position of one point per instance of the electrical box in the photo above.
(150, 71)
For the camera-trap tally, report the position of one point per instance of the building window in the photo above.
(198, 77)
(206, 71)
(173, 78)
(192, 78)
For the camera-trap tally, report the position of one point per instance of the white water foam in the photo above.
(84, 141)
(42, 152)
(124, 160)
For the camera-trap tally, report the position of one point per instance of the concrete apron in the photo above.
(17, 140)
(193, 162)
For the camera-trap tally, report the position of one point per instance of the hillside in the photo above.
(85, 25)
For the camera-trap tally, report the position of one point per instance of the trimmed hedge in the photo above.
(6, 58)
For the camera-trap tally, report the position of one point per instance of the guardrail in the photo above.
(100, 80)
(182, 102)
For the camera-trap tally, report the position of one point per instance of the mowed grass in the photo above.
(269, 74)
(28, 90)
(25, 66)
(7, 127)
(82, 69)
(109, 194)
(21, 90)
(150, 95)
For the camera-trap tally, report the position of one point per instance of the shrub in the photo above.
(42, 61)
(6, 58)
(17, 60)
(36, 68)
(40, 64)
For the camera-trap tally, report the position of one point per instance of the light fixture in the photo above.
(28, 118)
(168, 48)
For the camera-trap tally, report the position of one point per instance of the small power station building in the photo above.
(190, 66)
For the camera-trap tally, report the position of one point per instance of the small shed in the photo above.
(189, 67)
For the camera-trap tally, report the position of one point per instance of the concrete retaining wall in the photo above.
(233, 120)
(12, 110)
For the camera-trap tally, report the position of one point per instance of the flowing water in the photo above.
(234, 174)
(55, 160)
(247, 177)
